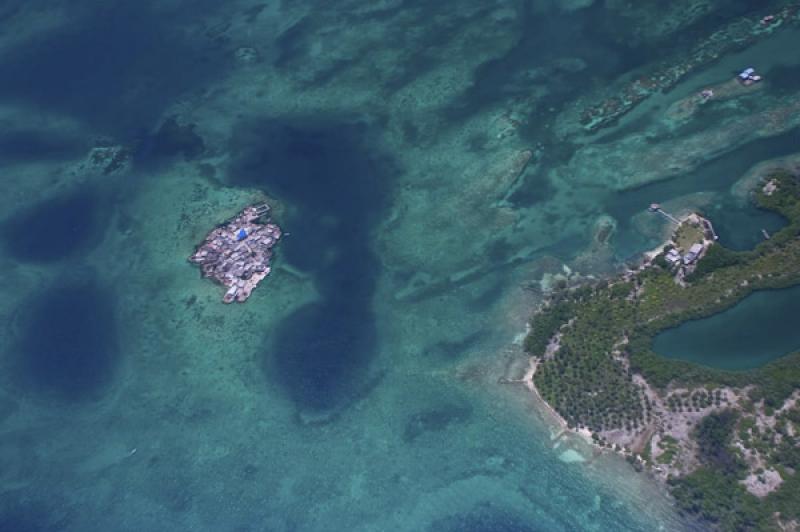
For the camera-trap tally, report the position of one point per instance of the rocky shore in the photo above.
(237, 253)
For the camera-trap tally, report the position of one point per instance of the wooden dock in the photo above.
(655, 207)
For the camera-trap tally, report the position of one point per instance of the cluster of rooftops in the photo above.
(748, 76)
(237, 253)
(673, 256)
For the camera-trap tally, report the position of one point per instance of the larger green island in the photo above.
(726, 442)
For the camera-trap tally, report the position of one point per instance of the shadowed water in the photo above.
(55, 228)
(337, 186)
(117, 68)
(31, 145)
(485, 519)
(68, 346)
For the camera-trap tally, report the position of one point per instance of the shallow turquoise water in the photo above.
(755, 331)
(359, 387)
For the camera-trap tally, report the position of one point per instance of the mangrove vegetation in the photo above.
(597, 369)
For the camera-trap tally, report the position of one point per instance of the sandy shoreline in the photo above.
(559, 421)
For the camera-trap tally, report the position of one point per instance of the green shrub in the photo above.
(715, 258)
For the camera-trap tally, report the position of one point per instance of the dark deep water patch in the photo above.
(424, 47)
(16, 516)
(22, 145)
(55, 228)
(535, 188)
(68, 345)
(484, 518)
(117, 67)
(748, 335)
(320, 350)
(336, 184)
(784, 79)
(537, 58)
(173, 139)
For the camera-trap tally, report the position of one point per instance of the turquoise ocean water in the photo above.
(422, 159)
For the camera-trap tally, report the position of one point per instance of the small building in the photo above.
(672, 256)
(693, 253)
(748, 76)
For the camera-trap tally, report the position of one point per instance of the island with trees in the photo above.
(726, 442)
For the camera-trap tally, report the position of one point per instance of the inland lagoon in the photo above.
(757, 330)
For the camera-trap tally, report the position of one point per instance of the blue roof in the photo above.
(241, 235)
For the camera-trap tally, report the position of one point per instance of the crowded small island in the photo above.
(237, 253)
(726, 442)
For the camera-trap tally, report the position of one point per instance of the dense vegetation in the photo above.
(583, 382)
(713, 436)
(719, 499)
(713, 491)
(547, 325)
(603, 315)
(606, 332)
